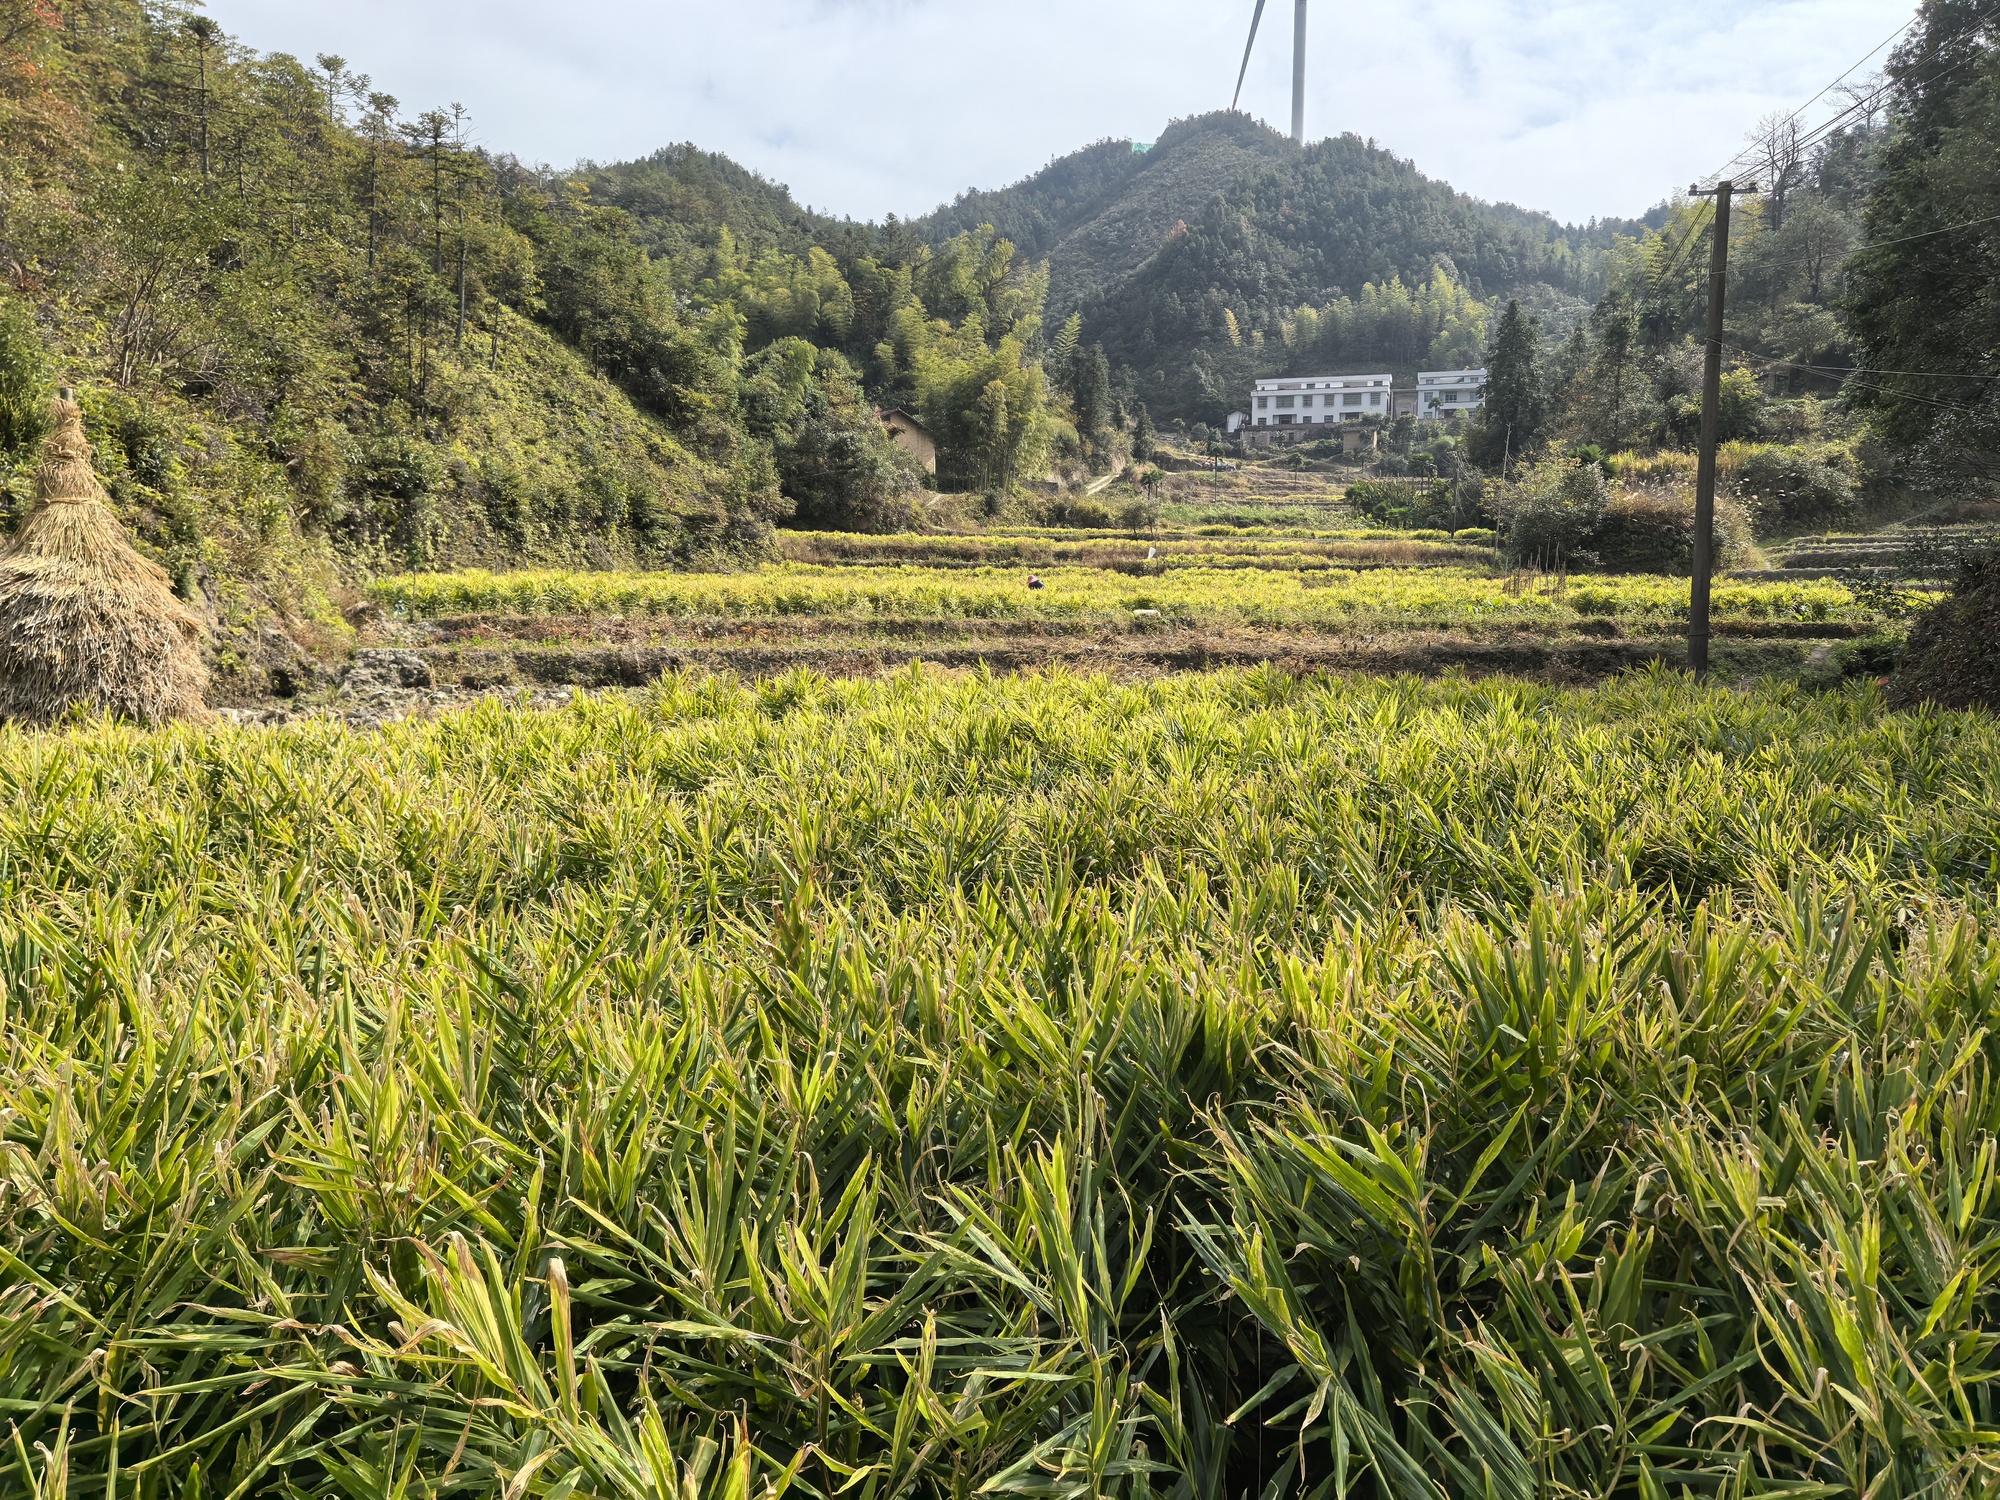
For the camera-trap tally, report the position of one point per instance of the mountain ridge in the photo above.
(1198, 248)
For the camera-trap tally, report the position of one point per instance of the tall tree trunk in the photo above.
(201, 57)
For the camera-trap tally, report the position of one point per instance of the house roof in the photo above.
(897, 414)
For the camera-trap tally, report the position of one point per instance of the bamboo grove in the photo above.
(937, 1087)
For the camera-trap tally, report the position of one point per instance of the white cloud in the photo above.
(868, 107)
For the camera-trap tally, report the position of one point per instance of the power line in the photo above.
(1694, 232)
(1866, 105)
(1926, 234)
(1846, 256)
(1836, 82)
(1749, 153)
(1866, 370)
(1887, 390)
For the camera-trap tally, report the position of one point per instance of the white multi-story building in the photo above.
(1317, 400)
(1280, 408)
(1446, 393)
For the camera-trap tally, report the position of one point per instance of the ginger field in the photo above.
(1324, 596)
(1135, 604)
(946, 1085)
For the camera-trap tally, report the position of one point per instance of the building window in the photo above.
(1376, 399)
(1285, 402)
(1354, 400)
(1263, 402)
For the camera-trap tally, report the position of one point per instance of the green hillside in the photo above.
(680, 197)
(1200, 313)
(1098, 214)
(315, 338)
(317, 335)
(1190, 260)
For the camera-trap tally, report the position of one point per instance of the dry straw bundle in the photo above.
(85, 621)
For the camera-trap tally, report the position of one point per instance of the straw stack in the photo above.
(85, 621)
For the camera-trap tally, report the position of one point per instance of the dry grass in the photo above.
(85, 621)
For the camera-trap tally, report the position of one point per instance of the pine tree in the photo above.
(1571, 360)
(1614, 399)
(1089, 391)
(1515, 401)
(1142, 436)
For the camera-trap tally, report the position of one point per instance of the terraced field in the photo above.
(1120, 1083)
(1274, 571)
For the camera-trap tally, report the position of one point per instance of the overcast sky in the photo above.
(1584, 108)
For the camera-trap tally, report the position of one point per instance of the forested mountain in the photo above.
(1209, 304)
(682, 197)
(1193, 260)
(1096, 215)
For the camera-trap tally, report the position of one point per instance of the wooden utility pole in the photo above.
(1711, 424)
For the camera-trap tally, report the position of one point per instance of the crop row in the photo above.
(1329, 599)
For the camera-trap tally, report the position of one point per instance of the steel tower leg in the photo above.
(1299, 73)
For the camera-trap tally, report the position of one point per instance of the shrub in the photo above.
(1788, 487)
(1652, 468)
(1429, 535)
(1741, 417)
(1871, 656)
(392, 484)
(1791, 421)
(1477, 536)
(1406, 504)
(1652, 531)
(1742, 410)
(1961, 513)
(1552, 512)
(24, 382)
(1953, 656)
(1590, 453)
(1139, 515)
(1087, 512)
